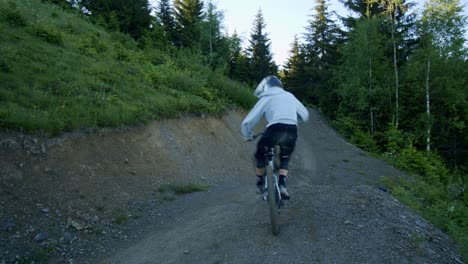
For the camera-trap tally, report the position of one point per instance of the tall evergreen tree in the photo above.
(295, 77)
(321, 44)
(166, 20)
(260, 56)
(188, 15)
(238, 62)
(132, 17)
(361, 10)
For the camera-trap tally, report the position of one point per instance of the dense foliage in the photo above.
(395, 84)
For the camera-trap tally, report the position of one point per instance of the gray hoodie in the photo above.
(278, 106)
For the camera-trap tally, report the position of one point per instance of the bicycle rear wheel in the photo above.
(274, 211)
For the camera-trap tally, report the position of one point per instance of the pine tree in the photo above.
(361, 10)
(188, 15)
(238, 62)
(132, 17)
(294, 77)
(321, 45)
(166, 20)
(259, 54)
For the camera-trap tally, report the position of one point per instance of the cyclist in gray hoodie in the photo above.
(281, 110)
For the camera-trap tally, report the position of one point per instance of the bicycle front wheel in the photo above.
(274, 211)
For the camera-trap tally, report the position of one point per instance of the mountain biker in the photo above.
(281, 110)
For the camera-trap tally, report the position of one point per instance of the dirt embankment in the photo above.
(98, 198)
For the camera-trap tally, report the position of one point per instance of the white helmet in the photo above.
(267, 83)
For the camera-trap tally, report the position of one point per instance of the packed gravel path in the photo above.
(100, 196)
(337, 213)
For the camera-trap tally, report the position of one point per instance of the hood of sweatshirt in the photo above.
(265, 87)
(271, 91)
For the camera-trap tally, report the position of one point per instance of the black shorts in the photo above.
(277, 134)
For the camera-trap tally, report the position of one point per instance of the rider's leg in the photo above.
(286, 149)
(261, 162)
(260, 171)
(283, 171)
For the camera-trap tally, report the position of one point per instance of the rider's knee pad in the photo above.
(284, 162)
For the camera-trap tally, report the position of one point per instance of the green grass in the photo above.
(60, 73)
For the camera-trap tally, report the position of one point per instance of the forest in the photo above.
(390, 79)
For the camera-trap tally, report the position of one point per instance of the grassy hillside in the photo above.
(60, 72)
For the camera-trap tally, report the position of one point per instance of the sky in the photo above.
(284, 19)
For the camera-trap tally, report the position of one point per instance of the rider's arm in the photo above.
(252, 119)
(302, 111)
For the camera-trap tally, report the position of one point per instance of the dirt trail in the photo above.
(103, 204)
(337, 215)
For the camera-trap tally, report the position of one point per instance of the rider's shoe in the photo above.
(284, 192)
(260, 188)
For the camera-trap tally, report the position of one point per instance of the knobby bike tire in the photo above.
(274, 212)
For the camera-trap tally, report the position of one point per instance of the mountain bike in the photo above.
(272, 192)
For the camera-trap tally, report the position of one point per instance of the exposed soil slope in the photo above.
(94, 198)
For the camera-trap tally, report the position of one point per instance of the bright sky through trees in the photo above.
(284, 19)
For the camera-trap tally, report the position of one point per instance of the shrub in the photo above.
(346, 125)
(395, 139)
(91, 46)
(233, 91)
(12, 15)
(124, 39)
(49, 34)
(364, 140)
(420, 163)
(7, 55)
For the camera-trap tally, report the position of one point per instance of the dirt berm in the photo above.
(112, 196)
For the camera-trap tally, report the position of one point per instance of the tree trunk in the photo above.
(396, 70)
(428, 109)
(370, 97)
(211, 48)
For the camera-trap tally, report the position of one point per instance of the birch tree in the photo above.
(442, 28)
(391, 7)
